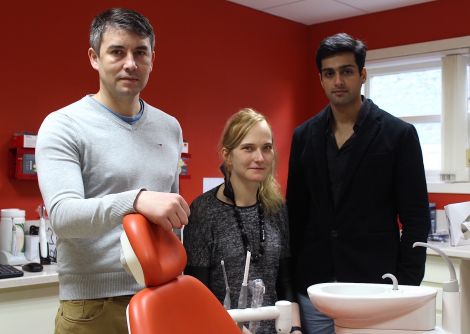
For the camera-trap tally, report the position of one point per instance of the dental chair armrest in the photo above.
(281, 313)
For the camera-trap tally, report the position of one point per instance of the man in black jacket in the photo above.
(354, 172)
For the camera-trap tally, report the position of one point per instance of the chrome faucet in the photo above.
(394, 280)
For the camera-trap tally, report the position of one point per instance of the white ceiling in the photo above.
(317, 11)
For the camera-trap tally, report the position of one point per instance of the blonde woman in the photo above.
(244, 213)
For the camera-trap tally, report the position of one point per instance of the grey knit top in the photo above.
(91, 165)
(213, 235)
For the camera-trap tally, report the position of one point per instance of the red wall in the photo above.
(212, 58)
(420, 23)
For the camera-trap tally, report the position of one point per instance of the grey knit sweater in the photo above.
(213, 234)
(91, 165)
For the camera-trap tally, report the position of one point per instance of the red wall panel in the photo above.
(212, 58)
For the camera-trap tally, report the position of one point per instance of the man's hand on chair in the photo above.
(169, 210)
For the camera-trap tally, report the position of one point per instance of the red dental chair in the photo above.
(170, 302)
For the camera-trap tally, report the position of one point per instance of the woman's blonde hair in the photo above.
(236, 128)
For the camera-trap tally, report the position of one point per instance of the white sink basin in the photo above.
(377, 306)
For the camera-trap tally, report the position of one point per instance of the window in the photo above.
(413, 95)
(428, 85)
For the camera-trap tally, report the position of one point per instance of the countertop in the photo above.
(47, 275)
(461, 252)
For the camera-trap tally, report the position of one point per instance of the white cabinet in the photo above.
(29, 304)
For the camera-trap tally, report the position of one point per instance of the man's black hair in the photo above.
(341, 43)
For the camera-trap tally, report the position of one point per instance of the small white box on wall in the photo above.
(209, 183)
(185, 147)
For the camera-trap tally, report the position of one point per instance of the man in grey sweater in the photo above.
(100, 158)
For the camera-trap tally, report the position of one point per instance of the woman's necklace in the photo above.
(230, 194)
(246, 241)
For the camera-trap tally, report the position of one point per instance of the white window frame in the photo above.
(454, 125)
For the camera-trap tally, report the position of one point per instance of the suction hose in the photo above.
(451, 321)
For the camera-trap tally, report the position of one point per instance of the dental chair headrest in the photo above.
(153, 255)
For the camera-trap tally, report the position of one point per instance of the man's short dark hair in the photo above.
(120, 18)
(341, 43)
